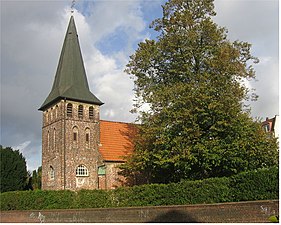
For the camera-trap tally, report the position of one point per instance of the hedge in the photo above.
(255, 185)
(27, 200)
(260, 184)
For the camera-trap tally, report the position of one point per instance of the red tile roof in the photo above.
(115, 139)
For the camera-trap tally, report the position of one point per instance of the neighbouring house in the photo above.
(79, 151)
(271, 126)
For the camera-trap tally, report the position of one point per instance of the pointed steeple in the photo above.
(70, 80)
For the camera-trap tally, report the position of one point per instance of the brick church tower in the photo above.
(71, 124)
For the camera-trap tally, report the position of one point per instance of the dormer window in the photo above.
(266, 127)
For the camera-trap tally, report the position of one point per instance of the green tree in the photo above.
(36, 178)
(191, 78)
(13, 170)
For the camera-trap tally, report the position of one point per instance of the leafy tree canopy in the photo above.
(37, 178)
(13, 170)
(191, 78)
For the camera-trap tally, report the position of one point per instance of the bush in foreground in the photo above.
(260, 184)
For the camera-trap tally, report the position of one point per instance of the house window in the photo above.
(91, 112)
(51, 173)
(69, 110)
(102, 171)
(80, 111)
(266, 127)
(82, 171)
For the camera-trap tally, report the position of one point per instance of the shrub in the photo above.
(210, 190)
(93, 199)
(260, 184)
(187, 192)
(36, 200)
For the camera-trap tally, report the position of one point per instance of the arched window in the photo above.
(51, 114)
(91, 112)
(75, 134)
(54, 140)
(51, 173)
(82, 171)
(48, 140)
(57, 111)
(46, 116)
(80, 111)
(87, 136)
(69, 110)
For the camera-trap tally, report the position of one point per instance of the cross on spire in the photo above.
(72, 6)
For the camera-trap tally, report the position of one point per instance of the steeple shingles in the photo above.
(70, 80)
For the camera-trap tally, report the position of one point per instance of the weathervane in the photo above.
(72, 6)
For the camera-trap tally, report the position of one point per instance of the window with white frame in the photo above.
(82, 171)
(266, 127)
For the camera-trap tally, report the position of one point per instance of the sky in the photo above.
(32, 34)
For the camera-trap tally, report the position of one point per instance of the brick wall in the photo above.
(240, 212)
(62, 154)
(113, 179)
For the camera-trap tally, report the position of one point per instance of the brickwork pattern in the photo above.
(113, 179)
(237, 212)
(67, 142)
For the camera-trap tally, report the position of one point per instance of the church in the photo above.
(79, 151)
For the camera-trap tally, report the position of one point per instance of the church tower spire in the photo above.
(70, 79)
(71, 124)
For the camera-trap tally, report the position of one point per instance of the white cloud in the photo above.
(266, 60)
(256, 22)
(107, 17)
(105, 71)
(32, 33)
(30, 48)
(22, 147)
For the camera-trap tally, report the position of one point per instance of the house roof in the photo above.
(70, 79)
(270, 122)
(116, 140)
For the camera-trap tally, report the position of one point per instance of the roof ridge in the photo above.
(118, 122)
